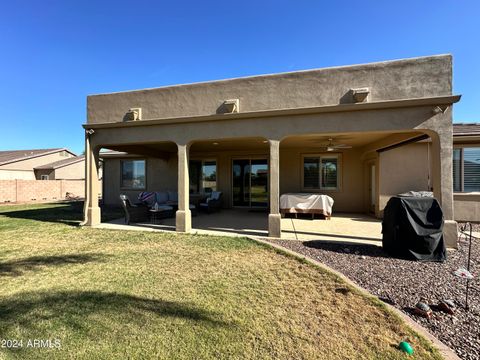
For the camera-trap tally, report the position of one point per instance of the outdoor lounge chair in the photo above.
(213, 202)
(133, 212)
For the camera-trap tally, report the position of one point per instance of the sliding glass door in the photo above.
(259, 183)
(203, 176)
(250, 182)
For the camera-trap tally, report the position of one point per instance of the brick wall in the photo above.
(39, 190)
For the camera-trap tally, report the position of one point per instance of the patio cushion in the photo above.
(215, 195)
(172, 196)
(147, 197)
(161, 197)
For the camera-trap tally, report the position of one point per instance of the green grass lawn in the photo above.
(111, 294)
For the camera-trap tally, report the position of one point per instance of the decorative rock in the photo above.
(447, 306)
(423, 309)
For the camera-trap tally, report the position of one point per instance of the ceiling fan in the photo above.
(332, 146)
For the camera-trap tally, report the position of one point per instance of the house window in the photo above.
(44, 177)
(466, 169)
(203, 176)
(133, 174)
(321, 172)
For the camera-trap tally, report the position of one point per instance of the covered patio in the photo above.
(315, 132)
(342, 227)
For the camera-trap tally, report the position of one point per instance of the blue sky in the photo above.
(55, 53)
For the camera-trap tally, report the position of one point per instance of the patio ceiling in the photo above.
(356, 140)
(253, 143)
(159, 150)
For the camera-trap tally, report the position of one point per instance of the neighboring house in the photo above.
(21, 164)
(72, 168)
(321, 131)
(24, 175)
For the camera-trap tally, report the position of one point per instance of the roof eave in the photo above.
(401, 103)
(59, 166)
(36, 155)
(464, 138)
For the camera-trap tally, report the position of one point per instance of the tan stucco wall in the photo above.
(16, 174)
(410, 78)
(74, 171)
(161, 176)
(30, 164)
(403, 169)
(467, 207)
(348, 199)
(406, 168)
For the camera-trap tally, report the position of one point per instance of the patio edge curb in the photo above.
(444, 350)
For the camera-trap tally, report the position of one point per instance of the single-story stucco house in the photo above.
(320, 131)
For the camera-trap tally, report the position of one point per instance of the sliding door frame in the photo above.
(250, 158)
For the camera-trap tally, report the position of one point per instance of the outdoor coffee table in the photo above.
(160, 212)
(192, 207)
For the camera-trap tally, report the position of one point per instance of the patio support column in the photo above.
(183, 220)
(274, 218)
(442, 182)
(91, 210)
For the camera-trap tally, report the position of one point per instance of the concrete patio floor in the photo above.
(351, 228)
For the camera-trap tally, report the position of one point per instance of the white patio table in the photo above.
(306, 203)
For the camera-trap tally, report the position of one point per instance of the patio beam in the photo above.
(274, 218)
(183, 217)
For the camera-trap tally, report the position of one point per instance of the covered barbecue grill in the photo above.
(412, 228)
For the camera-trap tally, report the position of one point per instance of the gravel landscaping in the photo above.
(403, 283)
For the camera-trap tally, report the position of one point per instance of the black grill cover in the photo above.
(412, 229)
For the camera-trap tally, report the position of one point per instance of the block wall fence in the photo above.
(19, 191)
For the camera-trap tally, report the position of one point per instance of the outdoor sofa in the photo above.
(164, 198)
(212, 203)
